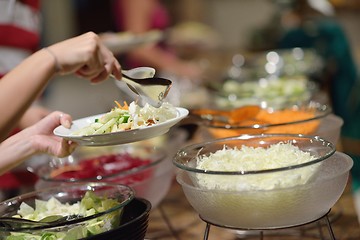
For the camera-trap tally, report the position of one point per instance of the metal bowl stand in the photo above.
(260, 231)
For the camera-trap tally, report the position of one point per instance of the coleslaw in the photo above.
(127, 117)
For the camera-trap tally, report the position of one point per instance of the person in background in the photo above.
(20, 31)
(84, 56)
(309, 27)
(124, 18)
(311, 24)
(141, 16)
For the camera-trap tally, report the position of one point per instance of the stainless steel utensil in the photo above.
(151, 89)
(14, 222)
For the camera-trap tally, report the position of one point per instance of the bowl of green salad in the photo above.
(86, 209)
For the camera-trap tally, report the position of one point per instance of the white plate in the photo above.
(120, 137)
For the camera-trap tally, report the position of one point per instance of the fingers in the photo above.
(94, 64)
(86, 56)
(101, 64)
(47, 125)
(111, 66)
(65, 119)
(45, 141)
(53, 145)
(65, 148)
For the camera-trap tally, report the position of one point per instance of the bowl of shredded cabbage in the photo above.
(98, 208)
(262, 181)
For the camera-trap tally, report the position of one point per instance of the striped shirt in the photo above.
(19, 31)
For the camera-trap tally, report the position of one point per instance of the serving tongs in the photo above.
(52, 220)
(142, 82)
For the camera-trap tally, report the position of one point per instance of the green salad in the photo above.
(89, 205)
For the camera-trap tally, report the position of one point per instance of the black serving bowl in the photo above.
(134, 225)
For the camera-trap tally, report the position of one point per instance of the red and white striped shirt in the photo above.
(19, 38)
(19, 31)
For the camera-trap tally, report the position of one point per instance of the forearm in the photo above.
(22, 86)
(14, 151)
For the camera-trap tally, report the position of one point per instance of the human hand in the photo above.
(86, 56)
(38, 138)
(44, 141)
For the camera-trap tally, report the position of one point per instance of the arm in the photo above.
(35, 139)
(83, 55)
(33, 115)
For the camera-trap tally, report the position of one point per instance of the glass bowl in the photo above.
(265, 196)
(276, 93)
(104, 203)
(145, 169)
(296, 119)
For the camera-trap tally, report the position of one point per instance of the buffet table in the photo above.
(174, 219)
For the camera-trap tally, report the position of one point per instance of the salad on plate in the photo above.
(128, 117)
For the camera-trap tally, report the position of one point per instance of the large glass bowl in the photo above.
(313, 118)
(97, 221)
(146, 169)
(264, 198)
(274, 78)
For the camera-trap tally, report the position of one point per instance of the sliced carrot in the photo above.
(126, 106)
(118, 104)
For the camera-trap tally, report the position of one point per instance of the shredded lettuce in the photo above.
(90, 204)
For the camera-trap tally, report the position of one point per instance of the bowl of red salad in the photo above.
(146, 169)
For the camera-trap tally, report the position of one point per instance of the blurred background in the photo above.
(219, 54)
(242, 28)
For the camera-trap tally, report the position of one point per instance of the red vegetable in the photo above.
(104, 166)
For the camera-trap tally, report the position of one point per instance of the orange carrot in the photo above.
(118, 104)
(125, 107)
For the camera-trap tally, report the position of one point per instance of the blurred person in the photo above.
(141, 16)
(312, 24)
(84, 56)
(20, 30)
(118, 19)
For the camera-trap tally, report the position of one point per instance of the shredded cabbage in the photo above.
(252, 159)
(126, 119)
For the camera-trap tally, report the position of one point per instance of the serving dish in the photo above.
(135, 221)
(274, 78)
(145, 168)
(275, 93)
(120, 137)
(103, 202)
(264, 198)
(253, 119)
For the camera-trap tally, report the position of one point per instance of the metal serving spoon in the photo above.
(16, 223)
(143, 83)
